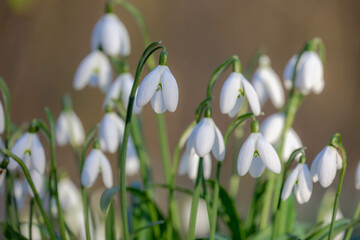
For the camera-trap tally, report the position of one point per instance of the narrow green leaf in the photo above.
(150, 225)
(107, 197)
(10, 233)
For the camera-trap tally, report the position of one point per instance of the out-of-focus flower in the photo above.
(69, 129)
(338, 216)
(2, 119)
(324, 166)
(111, 131)
(309, 73)
(267, 83)
(160, 87)
(111, 36)
(190, 163)
(357, 177)
(94, 70)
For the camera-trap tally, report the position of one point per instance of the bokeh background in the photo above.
(42, 43)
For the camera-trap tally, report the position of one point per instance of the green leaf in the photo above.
(10, 233)
(339, 225)
(150, 225)
(107, 197)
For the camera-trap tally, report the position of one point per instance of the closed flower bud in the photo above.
(69, 129)
(111, 131)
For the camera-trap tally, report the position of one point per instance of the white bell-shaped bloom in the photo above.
(69, 194)
(94, 163)
(206, 137)
(94, 70)
(121, 87)
(20, 189)
(267, 83)
(29, 143)
(324, 166)
(190, 163)
(357, 177)
(132, 159)
(69, 129)
(161, 88)
(272, 128)
(254, 148)
(111, 35)
(2, 119)
(111, 131)
(309, 73)
(299, 180)
(233, 92)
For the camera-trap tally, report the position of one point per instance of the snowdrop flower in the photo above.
(69, 128)
(254, 149)
(132, 159)
(272, 128)
(111, 131)
(206, 137)
(2, 119)
(121, 87)
(190, 163)
(233, 92)
(111, 36)
(357, 177)
(325, 164)
(309, 73)
(69, 194)
(267, 83)
(94, 163)
(94, 70)
(299, 180)
(160, 87)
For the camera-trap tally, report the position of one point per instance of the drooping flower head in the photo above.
(267, 83)
(299, 180)
(94, 70)
(69, 128)
(309, 73)
(159, 87)
(233, 92)
(256, 154)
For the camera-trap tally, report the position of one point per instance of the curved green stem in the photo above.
(355, 217)
(195, 202)
(53, 170)
(32, 186)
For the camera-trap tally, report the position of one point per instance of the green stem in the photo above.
(53, 167)
(164, 147)
(10, 213)
(31, 218)
(215, 203)
(355, 217)
(32, 186)
(195, 202)
(86, 212)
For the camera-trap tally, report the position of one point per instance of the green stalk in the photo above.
(215, 202)
(53, 167)
(31, 218)
(164, 147)
(195, 202)
(355, 217)
(32, 186)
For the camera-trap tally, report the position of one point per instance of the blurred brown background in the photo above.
(42, 43)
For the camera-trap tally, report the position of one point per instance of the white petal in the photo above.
(193, 166)
(314, 169)
(310, 71)
(252, 97)
(184, 163)
(91, 167)
(109, 135)
(113, 92)
(149, 85)
(205, 137)
(260, 88)
(305, 183)
(230, 92)
(38, 181)
(268, 154)
(158, 103)
(2, 177)
(298, 195)
(85, 71)
(20, 189)
(132, 160)
(2, 119)
(38, 155)
(319, 86)
(292, 142)
(207, 166)
(105, 71)
(290, 183)
(77, 129)
(170, 90)
(327, 167)
(95, 35)
(237, 107)
(110, 36)
(125, 39)
(127, 84)
(339, 160)
(272, 127)
(357, 177)
(218, 148)
(257, 167)
(106, 170)
(19, 148)
(61, 130)
(288, 72)
(246, 154)
(275, 90)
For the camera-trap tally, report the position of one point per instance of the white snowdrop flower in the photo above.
(190, 163)
(206, 137)
(121, 88)
(111, 131)
(20, 189)
(272, 128)
(111, 36)
(39, 183)
(299, 180)
(29, 148)
(257, 146)
(309, 73)
(132, 159)
(160, 87)
(94, 70)
(324, 166)
(69, 194)
(2, 119)
(94, 163)
(357, 177)
(233, 92)
(69, 129)
(267, 83)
